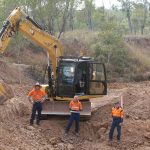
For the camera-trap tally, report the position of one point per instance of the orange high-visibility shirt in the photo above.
(117, 112)
(75, 105)
(37, 95)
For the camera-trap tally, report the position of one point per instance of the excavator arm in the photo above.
(19, 21)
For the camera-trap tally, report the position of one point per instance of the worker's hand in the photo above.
(43, 100)
(120, 124)
(31, 101)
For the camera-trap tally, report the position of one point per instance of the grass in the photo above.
(78, 40)
(138, 54)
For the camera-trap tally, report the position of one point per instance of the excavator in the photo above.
(67, 75)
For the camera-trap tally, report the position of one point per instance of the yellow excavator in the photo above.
(67, 75)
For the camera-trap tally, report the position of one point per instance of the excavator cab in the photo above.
(80, 76)
(76, 76)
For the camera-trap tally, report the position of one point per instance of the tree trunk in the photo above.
(51, 25)
(89, 20)
(145, 17)
(71, 15)
(129, 21)
(64, 20)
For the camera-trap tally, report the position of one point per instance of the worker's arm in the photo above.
(112, 112)
(44, 97)
(19, 21)
(30, 99)
(70, 105)
(122, 114)
(81, 107)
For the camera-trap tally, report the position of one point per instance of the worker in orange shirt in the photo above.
(75, 107)
(117, 115)
(36, 97)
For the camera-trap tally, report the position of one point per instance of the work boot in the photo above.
(118, 142)
(31, 124)
(77, 134)
(66, 134)
(110, 143)
(38, 123)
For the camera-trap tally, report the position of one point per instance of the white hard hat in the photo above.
(37, 84)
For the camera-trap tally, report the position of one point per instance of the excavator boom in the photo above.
(19, 21)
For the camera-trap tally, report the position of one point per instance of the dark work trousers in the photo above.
(74, 117)
(37, 107)
(115, 124)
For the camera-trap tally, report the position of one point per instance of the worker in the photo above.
(36, 97)
(75, 107)
(117, 115)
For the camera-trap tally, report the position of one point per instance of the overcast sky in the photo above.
(107, 3)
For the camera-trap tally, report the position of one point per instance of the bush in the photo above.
(110, 49)
(36, 72)
(138, 78)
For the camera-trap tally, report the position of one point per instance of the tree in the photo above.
(145, 12)
(109, 48)
(89, 7)
(127, 6)
(140, 15)
(71, 14)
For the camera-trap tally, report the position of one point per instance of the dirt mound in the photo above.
(7, 73)
(5, 92)
(11, 74)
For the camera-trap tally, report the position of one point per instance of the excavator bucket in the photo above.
(62, 108)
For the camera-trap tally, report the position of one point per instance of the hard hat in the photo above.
(37, 84)
(117, 103)
(76, 97)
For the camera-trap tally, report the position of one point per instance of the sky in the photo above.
(107, 3)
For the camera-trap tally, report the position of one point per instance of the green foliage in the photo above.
(63, 15)
(110, 49)
(102, 29)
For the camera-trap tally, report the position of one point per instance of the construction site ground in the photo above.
(16, 134)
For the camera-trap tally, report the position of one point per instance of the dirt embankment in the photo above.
(139, 48)
(10, 75)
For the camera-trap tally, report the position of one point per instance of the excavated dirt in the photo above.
(16, 134)
(5, 92)
(11, 74)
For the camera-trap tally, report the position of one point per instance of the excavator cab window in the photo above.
(98, 81)
(81, 77)
(67, 74)
(65, 79)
